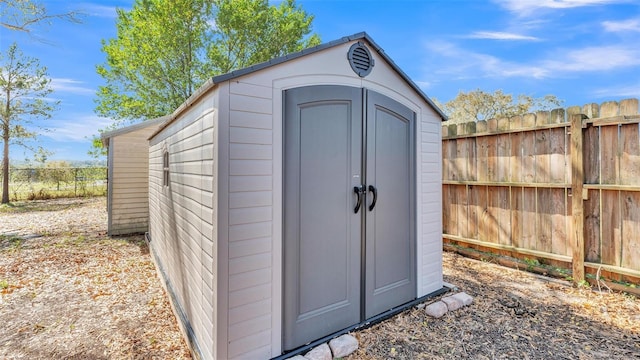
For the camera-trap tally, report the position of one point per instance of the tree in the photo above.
(24, 87)
(21, 15)
(156, 60)
(480, 105)
(252, 31)
(165, 49)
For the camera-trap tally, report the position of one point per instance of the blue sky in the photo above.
(582, 51)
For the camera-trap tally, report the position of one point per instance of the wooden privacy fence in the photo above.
(512, 185)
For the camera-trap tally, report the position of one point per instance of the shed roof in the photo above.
(105, 136)
(267, 64)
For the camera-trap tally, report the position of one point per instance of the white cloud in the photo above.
(71, 86)
(497, 35)
(592, 59)
(629, 91)
(622, 26)
(528, 7)
(78, 129)
(464, 64)
(98, 10)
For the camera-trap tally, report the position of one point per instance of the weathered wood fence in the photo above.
(509, 186)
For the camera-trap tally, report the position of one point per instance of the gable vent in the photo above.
(360, 59)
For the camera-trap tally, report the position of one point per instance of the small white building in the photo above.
(297, 198)
(128, 177)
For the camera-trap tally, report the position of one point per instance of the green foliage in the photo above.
(156, 60)
(24, 88)
(252, 31)
(480, 105)
(164, 50)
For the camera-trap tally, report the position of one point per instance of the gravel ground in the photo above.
(67, 291)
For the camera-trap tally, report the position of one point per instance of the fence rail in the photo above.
(509, 185)
(45, 183)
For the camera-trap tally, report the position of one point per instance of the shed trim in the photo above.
(358, 36)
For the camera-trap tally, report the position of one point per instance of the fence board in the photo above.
(591, 154)
(528, 156)
(474, 212)
(558, 221)
(592, 227)
(472, 164)
(493, 215)
(446, 159)
(543, 223)
(515, 161)
(558, 168)
(503, 153)
(453, 172)
(630, 257)
(483, 213)
(448, 215)
(529, 212)
(517, 214)
(483, 158)
(492, 158)
(462, 159)
(543, 158)
(630, 154)
(504, 215)
(608, 154)
(462, 209)
(611, 227)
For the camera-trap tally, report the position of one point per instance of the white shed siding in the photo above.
(250, 220)
(128, 198)
(183, 225)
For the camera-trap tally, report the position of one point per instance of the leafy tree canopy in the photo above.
(165, 49)
(480, 105)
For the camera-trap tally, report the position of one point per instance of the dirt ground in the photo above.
(67, 291)
(514, 315)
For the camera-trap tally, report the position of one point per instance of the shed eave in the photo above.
(105, 136)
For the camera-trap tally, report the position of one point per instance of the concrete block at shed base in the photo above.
(465, 298)
(343, 346)
(298, 357)
(320, 352)
(437, 309)
(452, 302)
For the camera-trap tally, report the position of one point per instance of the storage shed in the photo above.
(297, 198)
(128, 177)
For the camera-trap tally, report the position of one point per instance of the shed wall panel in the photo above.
(183, 221)
(128, 188)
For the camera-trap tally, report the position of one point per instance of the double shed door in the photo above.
(349, 209)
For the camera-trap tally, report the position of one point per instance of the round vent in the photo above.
(360, 59)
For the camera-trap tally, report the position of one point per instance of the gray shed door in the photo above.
(341, 266)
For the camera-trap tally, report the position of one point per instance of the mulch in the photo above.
(68, 291)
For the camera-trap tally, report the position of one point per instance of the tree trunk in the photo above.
(5, 164)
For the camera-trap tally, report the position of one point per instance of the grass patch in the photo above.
(11, 242)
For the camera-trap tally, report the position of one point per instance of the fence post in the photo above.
(577, 181)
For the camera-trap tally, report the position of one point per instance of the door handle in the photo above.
(375, 197)
(358, 190)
